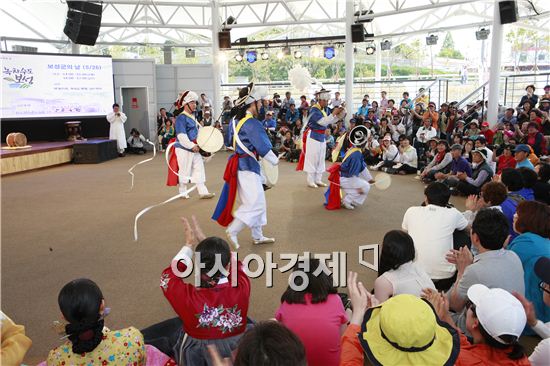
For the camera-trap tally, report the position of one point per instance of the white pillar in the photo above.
(350, 67)
(75, 48)
(377, 72)
(494, 72)
(216, 99)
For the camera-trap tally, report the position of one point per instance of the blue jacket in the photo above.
(187, 126)
(353, 165)
(530, 247)
(315, 115)
(252, 134)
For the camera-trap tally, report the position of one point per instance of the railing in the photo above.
(512, 88)
(441, 89)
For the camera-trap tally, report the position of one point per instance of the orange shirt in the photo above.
(482, 354)
(434, 116)
(352, 352)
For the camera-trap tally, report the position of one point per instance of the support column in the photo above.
(494, 72)
(216, 99)
(350, 67)
(377, 72)
(75, 49)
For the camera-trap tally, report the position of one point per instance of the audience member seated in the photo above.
(532, 222)
(542, 187)
(315, 310)
(214, 313)
(529, 180)
(408, 160)
(495, 318)
(15, 343)
(440, 164)
(270, 343)
(423, 135)
(541, 354)
(397, 272)
(459, 165)
(432, 227)
(493, 266)
(404, 330)
(288, 148)
(167, 132)
(529, 96)
(473, 130)
(431, 115)
(89, 342)
(513, 180)
(481, 174)
(506, 159)
(364, 108)
(508, 117)
(493, 194)
(481, 144)
(524, 112)
(535, 139)
(292, 114)
(487, 132)
(135, 143)
(390, 154)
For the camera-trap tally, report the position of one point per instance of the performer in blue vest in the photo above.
(243, 173)
(189, 160)
(352, 176)
(312, 158)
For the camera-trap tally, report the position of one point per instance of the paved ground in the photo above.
(77, 221)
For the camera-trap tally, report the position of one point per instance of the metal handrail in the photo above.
(469, 96)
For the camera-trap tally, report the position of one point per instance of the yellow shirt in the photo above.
(118, 347)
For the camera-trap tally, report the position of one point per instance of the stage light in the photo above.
(239, 57)
(385, 46)
(280, 55)
(286, 50)
(298, 54)
(316, 51)
(190, 53)
(371, 49)
(265, 55)
(329, 52)
(482, 34)
(431, 40)
(251, 56)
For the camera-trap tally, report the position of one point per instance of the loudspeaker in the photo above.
(93, 152)
(508, 12)
(224, 39)
(83, 22)
(357, 33)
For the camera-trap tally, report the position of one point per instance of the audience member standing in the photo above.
(116, 132)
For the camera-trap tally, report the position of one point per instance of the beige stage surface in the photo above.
(76, 221)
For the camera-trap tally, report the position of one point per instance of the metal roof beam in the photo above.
(364, 18)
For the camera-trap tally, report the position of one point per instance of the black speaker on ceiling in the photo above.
(224, 40)
(357, 33)
(83, 22)
(508, 12)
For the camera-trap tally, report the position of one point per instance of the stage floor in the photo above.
(75, 221)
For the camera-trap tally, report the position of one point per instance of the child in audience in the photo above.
(316, 310)
(397, 273)
(83, 308)
(214, 313)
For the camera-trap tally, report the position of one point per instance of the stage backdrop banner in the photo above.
(56, 86)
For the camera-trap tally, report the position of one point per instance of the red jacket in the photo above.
(209, 313)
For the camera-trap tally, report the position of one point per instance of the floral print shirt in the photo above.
(118, 347)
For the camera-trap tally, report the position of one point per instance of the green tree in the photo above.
(521, 40)
(448, 49)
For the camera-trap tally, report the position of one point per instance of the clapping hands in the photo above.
(193, 235)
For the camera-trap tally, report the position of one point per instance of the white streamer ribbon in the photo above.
(130, 171)
(142, 212)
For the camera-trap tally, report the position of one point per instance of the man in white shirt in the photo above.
(397, 127)
(432, 227)
(336, 101)
(116, 132)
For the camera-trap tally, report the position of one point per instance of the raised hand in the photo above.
(190, 237)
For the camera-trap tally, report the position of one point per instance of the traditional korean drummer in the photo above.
(243, 173)
(189, 159)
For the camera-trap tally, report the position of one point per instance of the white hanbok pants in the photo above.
(253, 209)
(191, 170)
(314, 163)
(352, 185)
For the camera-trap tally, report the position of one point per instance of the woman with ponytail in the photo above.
(214, 311)
(83, 308)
